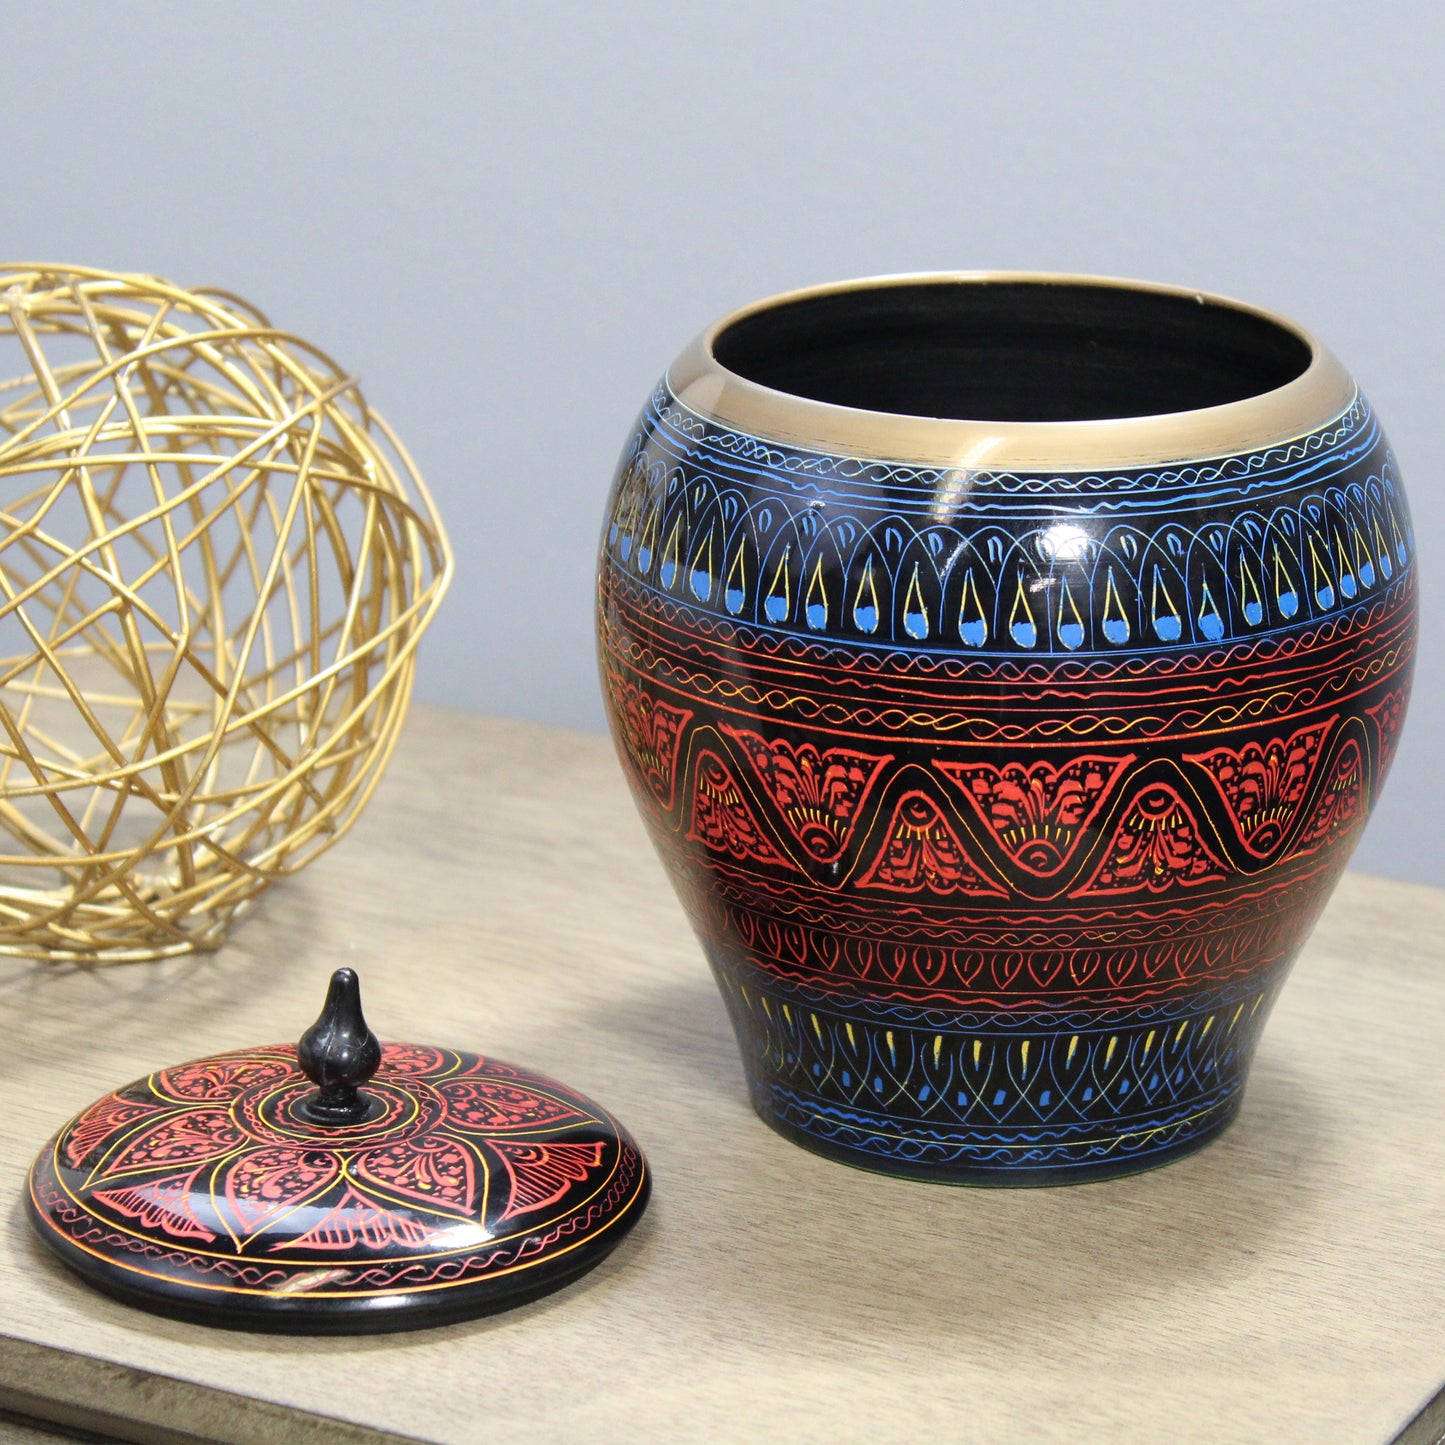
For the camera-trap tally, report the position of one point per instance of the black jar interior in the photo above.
(1012, 351)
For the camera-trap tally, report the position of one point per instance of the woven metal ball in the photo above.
(215, 563)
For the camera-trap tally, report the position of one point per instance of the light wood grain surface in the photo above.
(1284, 1284)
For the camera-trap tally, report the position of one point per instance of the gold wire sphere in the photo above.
(215, 563)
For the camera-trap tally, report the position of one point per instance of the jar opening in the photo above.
(1012, 351)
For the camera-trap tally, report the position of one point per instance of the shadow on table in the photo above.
(1013, 1266)
(797, 1243)
(680, 1031)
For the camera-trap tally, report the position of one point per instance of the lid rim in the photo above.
(344, 1315)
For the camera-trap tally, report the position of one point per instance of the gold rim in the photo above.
(1319, 394)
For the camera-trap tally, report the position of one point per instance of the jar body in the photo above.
(1003, 802)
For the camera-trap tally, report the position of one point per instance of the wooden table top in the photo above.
(500, 895)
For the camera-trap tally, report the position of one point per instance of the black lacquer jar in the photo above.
(1005, 667)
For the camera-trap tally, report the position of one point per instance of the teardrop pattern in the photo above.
(815, 605)
(667, 573)
(882, 576)
(735, 589)
(1116, 624)
(1286, 594)
(1070, 624)
(700, 579)
(647, 546)
(779, 601)
(1021, 625)
(865, 602)
(1208, 621)
(1163, 611)
(915, 610)
(1250, 604)
(972, 624)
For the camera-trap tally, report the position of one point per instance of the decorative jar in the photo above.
(1005, 667)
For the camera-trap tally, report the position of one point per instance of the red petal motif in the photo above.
(1157, 844)
(650, 731)
(1341, 805)
(1263, 784)
(412, 1059)
(541, 1174)
(921, 852)
(268, 1182)
(1387, 716)
(94, 1129)
(437, 1173)
(219, 1080)
(359, 1223)
(194, 1137)
(487, 1105)
(819, 794)
(163, 1204)
(1037, 812)
(722, 819)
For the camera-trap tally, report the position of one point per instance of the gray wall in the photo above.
(509, 218)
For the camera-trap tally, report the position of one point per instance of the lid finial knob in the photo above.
(338, 1053)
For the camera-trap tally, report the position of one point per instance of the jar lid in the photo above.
(337, 1186)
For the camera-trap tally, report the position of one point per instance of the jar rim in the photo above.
(1321, 391)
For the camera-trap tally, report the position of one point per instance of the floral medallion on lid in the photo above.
(463, 1185)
